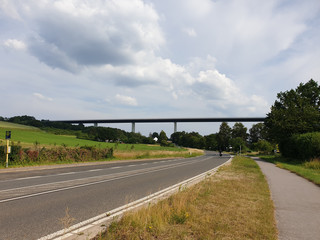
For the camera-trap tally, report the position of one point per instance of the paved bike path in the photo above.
(297, 203)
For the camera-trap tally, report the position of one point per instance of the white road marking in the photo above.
(27, 178)
(92, 183)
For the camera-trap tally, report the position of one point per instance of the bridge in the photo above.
(175, 121)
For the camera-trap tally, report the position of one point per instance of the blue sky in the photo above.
(154, 58)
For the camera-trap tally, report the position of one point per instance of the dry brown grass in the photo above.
(154, 153)
(233, 204)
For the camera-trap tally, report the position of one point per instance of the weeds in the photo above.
(67, 220)
(313, 164)
(232, 204)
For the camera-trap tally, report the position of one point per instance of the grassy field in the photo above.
(235, 203)
(31, 137)
(308, 170)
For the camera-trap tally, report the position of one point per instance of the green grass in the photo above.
(30, 137)
(307, 170)
(10, 126)
(234, 203)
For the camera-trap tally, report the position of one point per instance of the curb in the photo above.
(94, 226)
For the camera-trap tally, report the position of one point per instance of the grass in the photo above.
(31, 137)
(10, 126)
(309, 170)
(234, 203)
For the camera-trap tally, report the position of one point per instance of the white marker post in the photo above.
(8, 150)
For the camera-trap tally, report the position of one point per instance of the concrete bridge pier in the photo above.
(175, 127)
(133, 127)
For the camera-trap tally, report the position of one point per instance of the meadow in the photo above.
(35, 138)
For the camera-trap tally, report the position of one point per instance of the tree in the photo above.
(162, 136)
(257, 132)
(239, 130)
(238, 144)
(224, 136)
(295, 112)
(263, 146)
(211, 142)
(155, 135)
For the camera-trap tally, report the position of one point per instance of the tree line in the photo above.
(226, 139)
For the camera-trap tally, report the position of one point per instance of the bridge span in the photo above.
(175, 121)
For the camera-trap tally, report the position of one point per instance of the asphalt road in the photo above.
(33, 202)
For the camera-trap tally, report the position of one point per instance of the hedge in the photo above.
(23, 156)
(302, 146)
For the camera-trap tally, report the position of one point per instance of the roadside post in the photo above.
(8, 148)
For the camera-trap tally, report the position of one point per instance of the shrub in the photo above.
(302, 146)
(57, 154)
(263, 146)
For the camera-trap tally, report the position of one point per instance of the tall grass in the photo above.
(233, 204)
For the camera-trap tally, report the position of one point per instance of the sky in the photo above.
(120, 59)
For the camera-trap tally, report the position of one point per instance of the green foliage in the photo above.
(211, 142)
(239, 130)
(257, 132)
(295, 112)
(165, 143)
(224, 136)
(20, 156)
(193, 139)
(179, 217)
(302, 146)
(263, 146)
(162, 136)
(238, 142)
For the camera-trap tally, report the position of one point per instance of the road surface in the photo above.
(33, 202)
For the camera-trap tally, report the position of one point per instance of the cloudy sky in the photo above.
(110, 59)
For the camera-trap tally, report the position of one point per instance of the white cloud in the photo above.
(42, 97)
(190, 32)
(90, 33)
(126, 100)
(15, 44)
(215, 58)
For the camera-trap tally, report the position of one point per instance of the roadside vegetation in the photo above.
(309, 169)
(34, 146)
(234, 203)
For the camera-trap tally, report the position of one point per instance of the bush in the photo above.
(263, 146)
(165, 143)
(57, 154)
(302, 146)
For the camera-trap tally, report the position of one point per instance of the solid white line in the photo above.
(62, 174)
(89, 184)
(103, 218)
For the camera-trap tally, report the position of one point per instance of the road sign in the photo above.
(8, 134)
